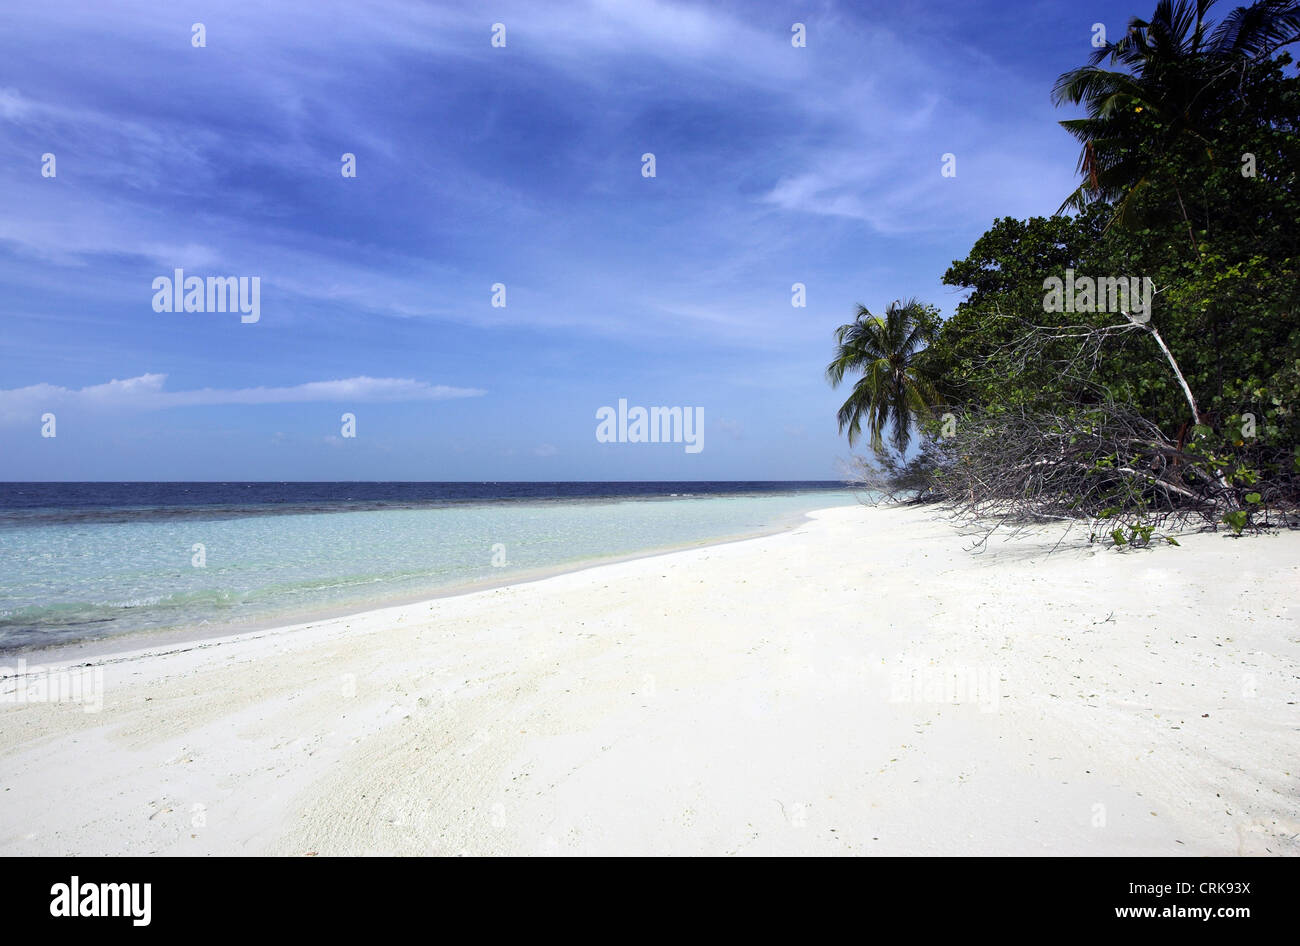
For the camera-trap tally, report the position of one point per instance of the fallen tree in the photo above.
(1101, 463)
(1091, 458)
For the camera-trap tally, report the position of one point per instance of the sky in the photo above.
(481, 166)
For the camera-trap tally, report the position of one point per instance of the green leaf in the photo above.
(1237, 520)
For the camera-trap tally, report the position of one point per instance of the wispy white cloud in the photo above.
(859, 145)
(147, 392)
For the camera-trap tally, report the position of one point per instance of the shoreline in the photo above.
(124, 646)
(857, 684)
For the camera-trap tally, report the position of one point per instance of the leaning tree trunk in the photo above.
(1182, 381)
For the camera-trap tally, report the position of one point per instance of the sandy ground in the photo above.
(862, 684)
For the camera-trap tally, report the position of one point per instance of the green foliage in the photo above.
(1134, 533)
(891, 391)
(1178, 80)
(1189, 168)
(1222, 249)
(1237, 520)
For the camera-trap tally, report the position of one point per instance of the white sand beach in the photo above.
(859, 685)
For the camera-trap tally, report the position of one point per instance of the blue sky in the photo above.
(479, 165)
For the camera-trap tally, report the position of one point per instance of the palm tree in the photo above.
(1180, 79)
(891, 389)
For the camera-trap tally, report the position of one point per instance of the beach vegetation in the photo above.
(1183, 411)
(892, 392)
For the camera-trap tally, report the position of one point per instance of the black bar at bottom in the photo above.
(310, 896)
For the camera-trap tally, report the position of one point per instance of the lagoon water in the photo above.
(88, 561)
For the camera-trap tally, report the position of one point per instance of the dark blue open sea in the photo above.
(82, 561)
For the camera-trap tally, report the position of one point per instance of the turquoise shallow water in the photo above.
(67, 582)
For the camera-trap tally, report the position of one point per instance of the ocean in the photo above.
(87, 561)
